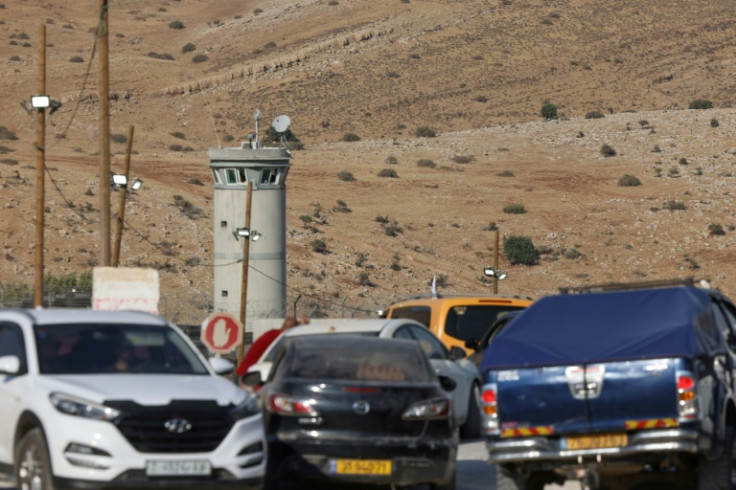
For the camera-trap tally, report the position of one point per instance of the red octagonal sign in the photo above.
(221, 333)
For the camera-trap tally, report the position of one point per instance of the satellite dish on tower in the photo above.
(281, 124)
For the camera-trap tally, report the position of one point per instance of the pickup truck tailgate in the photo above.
(538, 402)
(587, 398)
(615, 392)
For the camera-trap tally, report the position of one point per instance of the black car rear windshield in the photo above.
(471, 322)
(357, 359)
(90, 348)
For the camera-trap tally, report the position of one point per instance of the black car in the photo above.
(348, 409)
(479, 346)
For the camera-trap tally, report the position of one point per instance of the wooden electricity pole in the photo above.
(246, 255)
(40, 171)
(123, 194)
(103, 96)
(495, 265)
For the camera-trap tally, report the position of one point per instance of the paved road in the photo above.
(472, 470)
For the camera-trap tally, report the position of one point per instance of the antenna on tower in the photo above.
(257, 117)
(280, 125)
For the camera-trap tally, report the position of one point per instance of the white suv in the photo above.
(94, 399)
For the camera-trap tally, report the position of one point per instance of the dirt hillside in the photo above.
(189, 75)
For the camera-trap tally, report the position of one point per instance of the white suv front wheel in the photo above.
(32, 465)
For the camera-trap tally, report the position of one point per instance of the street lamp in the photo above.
(494, 273)
(121, 180)
(246, 233)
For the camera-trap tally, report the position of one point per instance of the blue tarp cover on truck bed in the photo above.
(608, 326)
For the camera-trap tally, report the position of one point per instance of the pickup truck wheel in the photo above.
(471, 427)
(509, 479)
(716, 474)
(32, 464)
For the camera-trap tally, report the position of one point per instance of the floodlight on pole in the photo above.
(246, 233)
(495, 273)
(40, 101)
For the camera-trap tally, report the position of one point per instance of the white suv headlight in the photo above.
(79, 407)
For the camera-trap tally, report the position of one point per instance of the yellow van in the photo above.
(456, 318)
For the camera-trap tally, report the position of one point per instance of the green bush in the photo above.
(119, 138)
(389, 173)
(520, 250)
(716, 229)
(505, 173)
(318, 246)
(200, 58)
(188, 47)
(701, 104)
(628, 181)
(672, 205)
(549, 111)
(350, 137)
(346, 176)
(176, 24)
(514, 209)
(425, 132)
(392, 160)
(463, 158)
(426, 163)
(178, 134)
(594, 115)
(608, 151)
(714, 123)
(7, 134)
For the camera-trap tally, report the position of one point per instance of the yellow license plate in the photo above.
(598, 441)
(361, 467)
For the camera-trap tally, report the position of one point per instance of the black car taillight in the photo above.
(436, 408)
(289, 405)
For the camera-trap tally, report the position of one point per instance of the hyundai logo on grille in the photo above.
(178, 425)
(361, 407)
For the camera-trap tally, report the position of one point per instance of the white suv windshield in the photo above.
(114, 348)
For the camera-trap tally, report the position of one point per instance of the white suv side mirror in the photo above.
(9, 365)
(221, 365)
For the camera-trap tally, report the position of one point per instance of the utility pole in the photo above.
(495, 265)
(40, 171)
(123, 194)
(246, 255)
(104, 98)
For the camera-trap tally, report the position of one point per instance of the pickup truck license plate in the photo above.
(178, 468)
(360, 466)
(597, 441)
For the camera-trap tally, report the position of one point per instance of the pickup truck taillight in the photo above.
(489, 409)
(686, 397)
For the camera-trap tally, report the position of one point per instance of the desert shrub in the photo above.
(342, 207)
(200, 58)
(195, 181)
(178, 134)
(365, 280)
(188, 47)
(176, 24)
(4, 150)
(305, 219)
(481, 98)
(228, 138)
(6, 134)
(714, 123)
(395, 265)
(514, 209)
(345, 176)
(425, 132)
(716, 229)
(701, 104)
(389, 173)
(683, 161)
(392, 229)
(392, 160)
(505, 173)
(119, 138)
(426, 163)
(628, 180)
(176, 148)
(492, 226)
(673, 205)
(187, 208)
(572, 254)
(15, 58)
(643, 123)
(257, 11)
(520, 250)
(608, 151)
(674, 172)
(463, 158)
(76, 59)
(393, 74)
(381, 219)
(594, 115)
(20, 35)
(656, 149)
(318, 246)
(9, 161)
(361, 259)
(270, 45)
(549, 111)
(350, 137)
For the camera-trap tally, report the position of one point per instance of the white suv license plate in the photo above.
(178, 468)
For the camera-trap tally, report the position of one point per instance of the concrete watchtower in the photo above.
(232, 169)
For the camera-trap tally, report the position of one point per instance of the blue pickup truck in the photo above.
(617, 389)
